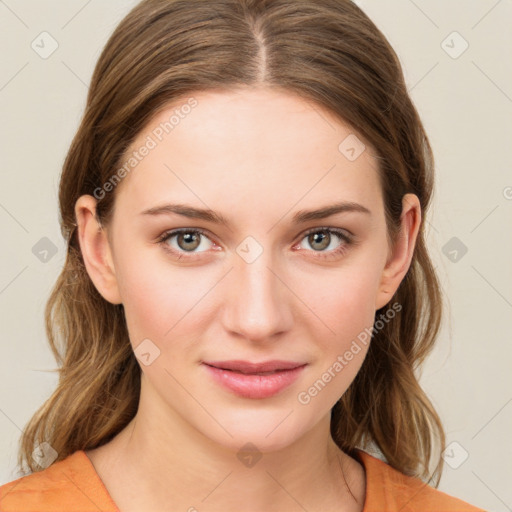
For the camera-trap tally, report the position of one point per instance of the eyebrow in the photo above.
(299, 217)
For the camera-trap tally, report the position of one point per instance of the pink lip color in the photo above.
(249, 385)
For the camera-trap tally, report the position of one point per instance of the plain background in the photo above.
(464, 96)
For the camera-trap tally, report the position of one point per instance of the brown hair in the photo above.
(328, 52)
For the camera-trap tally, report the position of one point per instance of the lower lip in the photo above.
(255, 386)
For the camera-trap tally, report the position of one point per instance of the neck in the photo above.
(160, 462)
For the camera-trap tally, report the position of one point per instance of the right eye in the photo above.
(187, 240)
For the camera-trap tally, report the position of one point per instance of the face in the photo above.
(269, 283)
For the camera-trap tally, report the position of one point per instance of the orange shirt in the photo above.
(72, 485)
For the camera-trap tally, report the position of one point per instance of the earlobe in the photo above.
(96, 249)
(400, 257)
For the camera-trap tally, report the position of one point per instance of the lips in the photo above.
(246, 367)
(254, 380)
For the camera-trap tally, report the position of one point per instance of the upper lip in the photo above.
(248, 367)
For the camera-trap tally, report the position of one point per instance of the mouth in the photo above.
(254, 380)
(249, 368)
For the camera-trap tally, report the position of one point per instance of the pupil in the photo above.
(319, 237)
(189, 238)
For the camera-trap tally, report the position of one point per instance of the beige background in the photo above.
(465, 100)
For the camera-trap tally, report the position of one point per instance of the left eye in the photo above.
(322, 238)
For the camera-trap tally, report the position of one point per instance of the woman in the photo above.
(247, 291)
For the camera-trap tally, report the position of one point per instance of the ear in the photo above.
(400, 256)
(96, 249)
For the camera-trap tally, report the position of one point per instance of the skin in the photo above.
(256, 156)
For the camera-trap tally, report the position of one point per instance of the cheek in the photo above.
(159, 300)
(344, 300)
(338, 356)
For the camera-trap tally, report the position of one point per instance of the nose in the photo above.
(258, 305)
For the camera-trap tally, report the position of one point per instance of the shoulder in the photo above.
(69, 484)
(389, 489)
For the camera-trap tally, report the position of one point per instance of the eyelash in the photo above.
(348, 240)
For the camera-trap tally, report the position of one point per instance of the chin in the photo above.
(268, 429)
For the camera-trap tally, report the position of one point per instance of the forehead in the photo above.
(247, 149)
